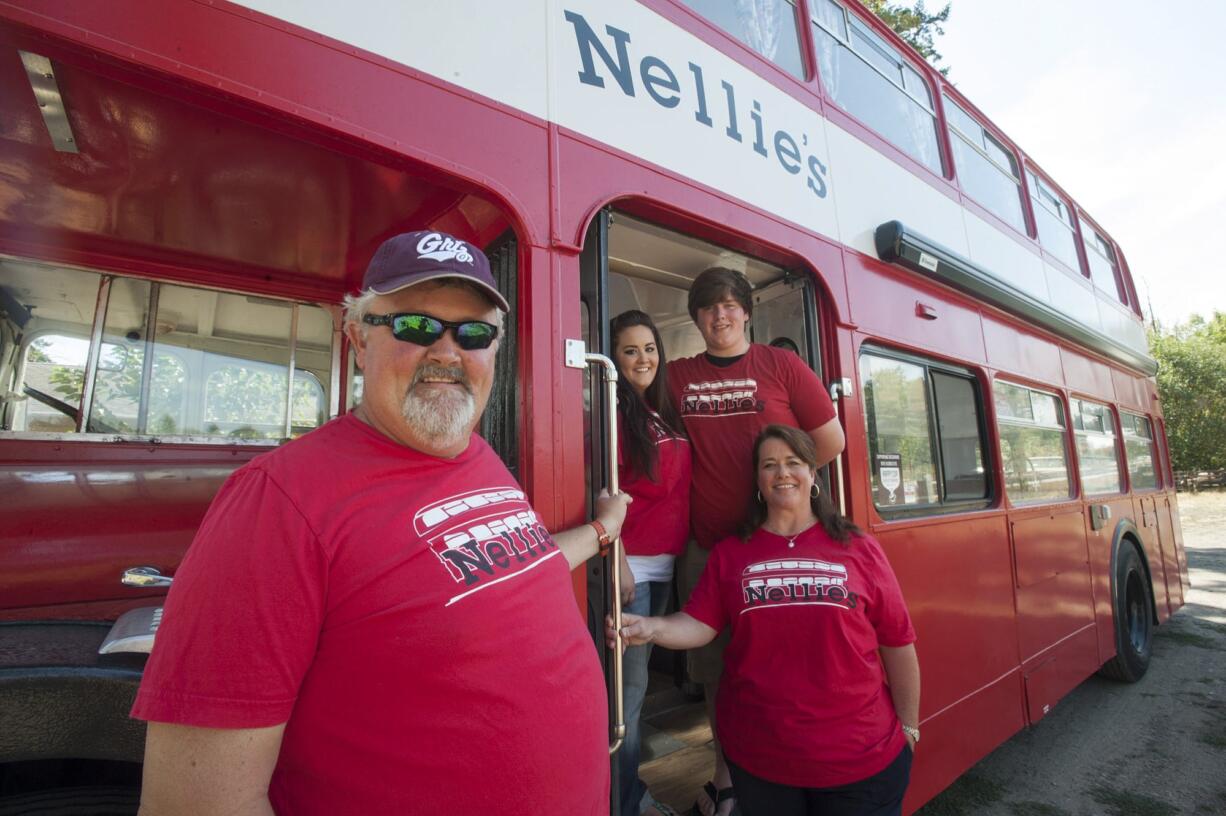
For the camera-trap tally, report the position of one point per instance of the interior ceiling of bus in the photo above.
(638, 249)
(163, 179)
(651, 269)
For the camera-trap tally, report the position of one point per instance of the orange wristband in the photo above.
(602, 537)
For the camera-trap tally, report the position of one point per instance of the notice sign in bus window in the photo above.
(889, 479)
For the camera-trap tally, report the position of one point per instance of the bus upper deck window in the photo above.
(866, 77)
(987, 169)
(767, 26)
(1104, 270)
(1055, 222)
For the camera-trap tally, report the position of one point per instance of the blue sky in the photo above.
(1124, 105)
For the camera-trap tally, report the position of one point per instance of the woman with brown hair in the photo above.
(654, 468)
(818, 710)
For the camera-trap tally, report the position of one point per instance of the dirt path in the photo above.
(1156, 748)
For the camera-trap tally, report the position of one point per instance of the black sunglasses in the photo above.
(424, 330)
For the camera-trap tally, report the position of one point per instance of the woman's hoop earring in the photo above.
(814, 493)
(760, 499)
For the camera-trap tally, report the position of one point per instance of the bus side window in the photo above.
(1139, 446)
(925, 435)
(1033, 444)
(1098, 451)
(53, 372)
(49, 313)
(174, 361)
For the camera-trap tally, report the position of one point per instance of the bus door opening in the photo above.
(631, 263)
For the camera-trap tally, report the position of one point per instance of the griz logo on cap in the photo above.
(438, 248)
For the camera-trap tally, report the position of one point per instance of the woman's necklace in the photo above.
(792, 538)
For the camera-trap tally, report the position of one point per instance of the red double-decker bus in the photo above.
(189, 187)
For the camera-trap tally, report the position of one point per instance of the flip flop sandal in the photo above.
(715, 795)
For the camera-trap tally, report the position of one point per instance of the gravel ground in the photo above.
(1154, 748)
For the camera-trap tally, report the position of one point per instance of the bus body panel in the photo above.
(603, 79)
(70, 522)
(1087, 375)
(965, 733)
(269, 74)
(969, 611)
(884, 303)
(1145, 515)
(1057, 671)
(1101, 545)
(1013, 349)
(1170, 552)
(1052, 576)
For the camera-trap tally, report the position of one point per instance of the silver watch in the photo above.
(912, 732)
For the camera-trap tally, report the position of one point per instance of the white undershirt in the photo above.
(651, 567)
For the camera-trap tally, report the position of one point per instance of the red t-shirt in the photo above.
(407, 615)
(658, 520)
(723, 409)
(803, 700)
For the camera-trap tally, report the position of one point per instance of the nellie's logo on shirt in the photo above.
(796, 581)
(721, 398)
(484, 537)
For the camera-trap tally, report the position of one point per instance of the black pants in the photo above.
(879, 795)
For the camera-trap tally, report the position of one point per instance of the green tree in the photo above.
(38, 352)
(117, 389)
(915, 25)
(1192, 385)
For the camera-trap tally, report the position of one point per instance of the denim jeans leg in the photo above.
(634, 669)
(649, 599)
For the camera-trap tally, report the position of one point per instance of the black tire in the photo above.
(1134, 619)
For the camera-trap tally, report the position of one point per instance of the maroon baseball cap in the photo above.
(414, 257)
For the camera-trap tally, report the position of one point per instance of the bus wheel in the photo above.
(1133, 620)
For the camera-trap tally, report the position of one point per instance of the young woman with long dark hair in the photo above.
(818, 710)
(654, 468)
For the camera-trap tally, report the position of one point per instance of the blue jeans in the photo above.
(650, 598)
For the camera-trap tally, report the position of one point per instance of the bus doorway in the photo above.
(631, 263)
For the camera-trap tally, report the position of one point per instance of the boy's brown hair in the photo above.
(717, 283)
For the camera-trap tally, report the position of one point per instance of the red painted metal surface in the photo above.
(180, 177)
(1020, 352)
(78, 514)
(1052, 577)
(1098, 546)
(883, 304)
(1057, 671)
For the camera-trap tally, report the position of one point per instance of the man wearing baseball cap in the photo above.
(371, 618)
